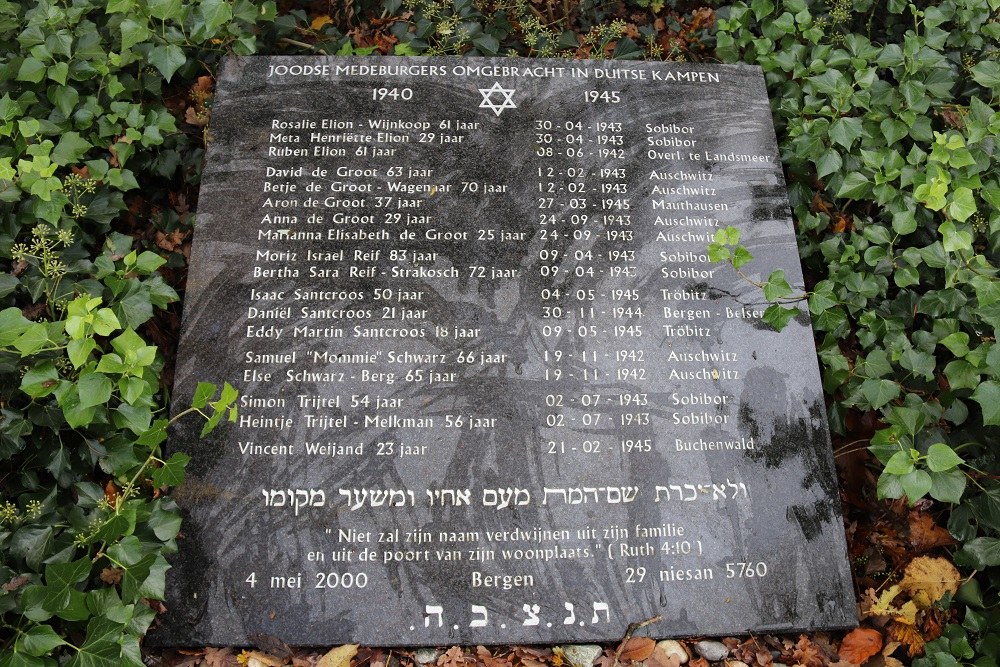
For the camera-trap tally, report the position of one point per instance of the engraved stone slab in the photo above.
(492, 389)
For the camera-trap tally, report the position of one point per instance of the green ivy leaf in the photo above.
(136, 418)
(490, 45)
(164, 522)
(905, 276)
(900, 463)
(147, 262)
(32, 70)
(987, 394)
(828, 163)
(202, 393)
(215, 13)
(888, 486)
(94, 388)
(987, 73)
(962, 375)
(741, 257)
(893, 130)
(33, 339)
(962, 207)
(128, 554)
(954, 239)
(38, 640)
(166, 10)
(59, 72)
(168, 59)
(947, 486)
(79, 351)
(855, 186)
(132, 389)
(941, 458)
(979, 553)
(718, 252)
(60, 584)
(921, 363)
(776, 286)
(915, 485)
(40, 380)
(97, 654)
(957, 343)
(846, 130)
(70, 149)
(878, 392)
(172, 472)
(779, 316)
(133, 32)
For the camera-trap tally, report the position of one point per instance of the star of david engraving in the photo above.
(506, 103)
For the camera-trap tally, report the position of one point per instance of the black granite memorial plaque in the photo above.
(492, 389)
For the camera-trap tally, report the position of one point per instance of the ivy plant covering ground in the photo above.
(888, 118)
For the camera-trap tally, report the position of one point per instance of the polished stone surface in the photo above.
(497, 393)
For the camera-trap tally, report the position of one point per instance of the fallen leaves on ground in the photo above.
(909, 636)
(886, 605)
(339, 657)
(455, 657)
(638, 648)
(258, 659)
(807, 653)
(489, 660)
(220, 657)
(320, 21)
(926, 534)
(860, 644)
(928, 578)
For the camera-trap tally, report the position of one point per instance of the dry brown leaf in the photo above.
(925, 534)
(698, 662)
(909, 636)
(530, 656)
(112, 575)
(658, 659)
(454, 657)
(339, 657)
(932, 576)
(261, 659)
(196, 116)
(203, 86)
(860, 644)
(638, 648)
(807, 653)
(191, 661)
(220, 657)
(953, 118)
(16, 582)
(930, 625)
(490, 660)
(171, 241)
(320, 21)
(887, 652)
(111, 492)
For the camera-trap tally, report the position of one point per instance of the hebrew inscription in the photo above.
(492, 389)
